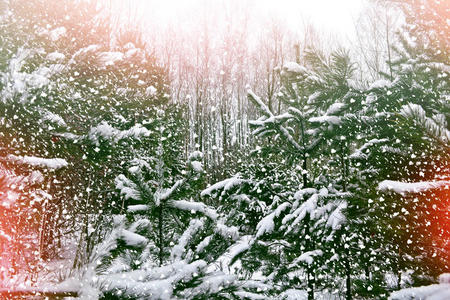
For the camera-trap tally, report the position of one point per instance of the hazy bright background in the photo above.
(335, 17)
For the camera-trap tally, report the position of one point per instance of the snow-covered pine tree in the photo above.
(126, 266)
(67, 91)
(32, 79)
(28, 75)
(336, 102)
(150, 217)
(256, 191)
(316, 210)
(414, 97)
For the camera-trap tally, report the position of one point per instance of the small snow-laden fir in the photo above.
(170, 279)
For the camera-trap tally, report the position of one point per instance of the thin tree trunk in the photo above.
(305, 158)
(388, 44)
(160, 234)
(399, 269)
(224, 135)
(309, 269)
(311, 280)
(348, 271)
(343, 168)
(77, 258)
(348, 279)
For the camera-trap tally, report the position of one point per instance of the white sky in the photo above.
(332, 16)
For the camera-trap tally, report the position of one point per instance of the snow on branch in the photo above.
(241, 245)
(333, 120)
(203, 244)
(293, 67)
(228, 232)
(211, 284)
(179, 249)
(271, 120)
(107, 132)
(196, 166)
(335, 108)
(127, 188)
(310, 207)
(195, 207)
(137, 208)
(250, 295)
(226, 185)
(380, 84)
(165, 194)
(330, 115)
(267, 224)
(359, 153)
(337, 217)
(276, 120)
(54, 118)
(436, 126)
(307, 257)
(412, 187)
(306, 208)
(110, 58)
(154, 283)
(195, 161)
(258, 102)
(132, 239)
(51, 163)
